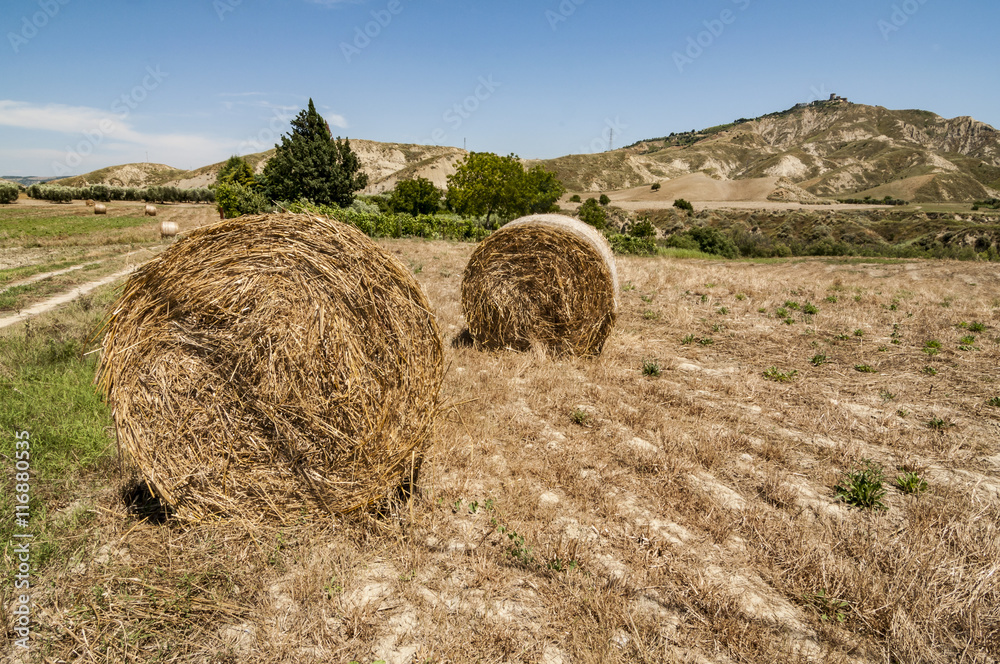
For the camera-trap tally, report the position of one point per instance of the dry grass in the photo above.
(272, 365)
(689, 518)
(546, 279)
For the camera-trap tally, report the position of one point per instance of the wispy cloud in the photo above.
(107, 135)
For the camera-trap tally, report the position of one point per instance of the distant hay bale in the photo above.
(100, 208)
(150, 211)
(167, 229)
(544, 278)
(273, 364)
(90, 203)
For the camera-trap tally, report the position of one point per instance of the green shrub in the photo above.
(575, 198)
(625, 244)
(713, 241)
(236, 200)
(656, 186)
(8, 192)
(682, 204)
(642, 228)
(604, 200)
(592, 213)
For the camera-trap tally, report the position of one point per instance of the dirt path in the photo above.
(63, 298)
(55, 273)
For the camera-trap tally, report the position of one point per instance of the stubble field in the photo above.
(579, 510)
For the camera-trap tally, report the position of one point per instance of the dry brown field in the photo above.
(588, 510)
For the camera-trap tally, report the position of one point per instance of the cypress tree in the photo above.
(309, 164)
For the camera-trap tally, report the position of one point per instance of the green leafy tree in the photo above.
(237, 170)
(309, 165)
(418, 196)
(682, 204)
(604, 200)
(656, 186)
(592, 213)
(488, 184)
(543, 189)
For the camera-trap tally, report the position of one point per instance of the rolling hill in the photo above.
(385, 163)
(829, 149)
(824, 149)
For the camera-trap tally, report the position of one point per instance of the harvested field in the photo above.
(577, 510)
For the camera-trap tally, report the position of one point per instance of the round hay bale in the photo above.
(273, 364)
(90, 203)
(150, 211)
(167, 229)
(100, 208)
(543, 278)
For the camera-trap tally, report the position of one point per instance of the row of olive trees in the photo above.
(106, 193)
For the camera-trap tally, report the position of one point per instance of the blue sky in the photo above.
(89, 84)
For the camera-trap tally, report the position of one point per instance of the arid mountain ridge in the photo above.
(827, 149)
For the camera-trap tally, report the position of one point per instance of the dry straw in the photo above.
(100, 208)
(167, 229)
(546, 279)
(271, 365)
(150, 211)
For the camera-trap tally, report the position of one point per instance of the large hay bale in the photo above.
(100, 208)
(543, 278)
(149, 211)
(273, 364)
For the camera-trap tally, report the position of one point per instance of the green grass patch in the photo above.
(46, 388)
(48, 227)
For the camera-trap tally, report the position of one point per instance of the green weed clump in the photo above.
(911, 482)
(772, 373)
(650, 368)
(863, 487)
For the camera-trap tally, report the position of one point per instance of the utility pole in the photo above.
(611, 141)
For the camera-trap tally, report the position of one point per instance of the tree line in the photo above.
(106, 193)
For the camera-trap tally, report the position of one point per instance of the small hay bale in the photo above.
(543, 278)
(273, 364)
(150, 211)
(100, 208)
(90, 203)
(167, 229)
